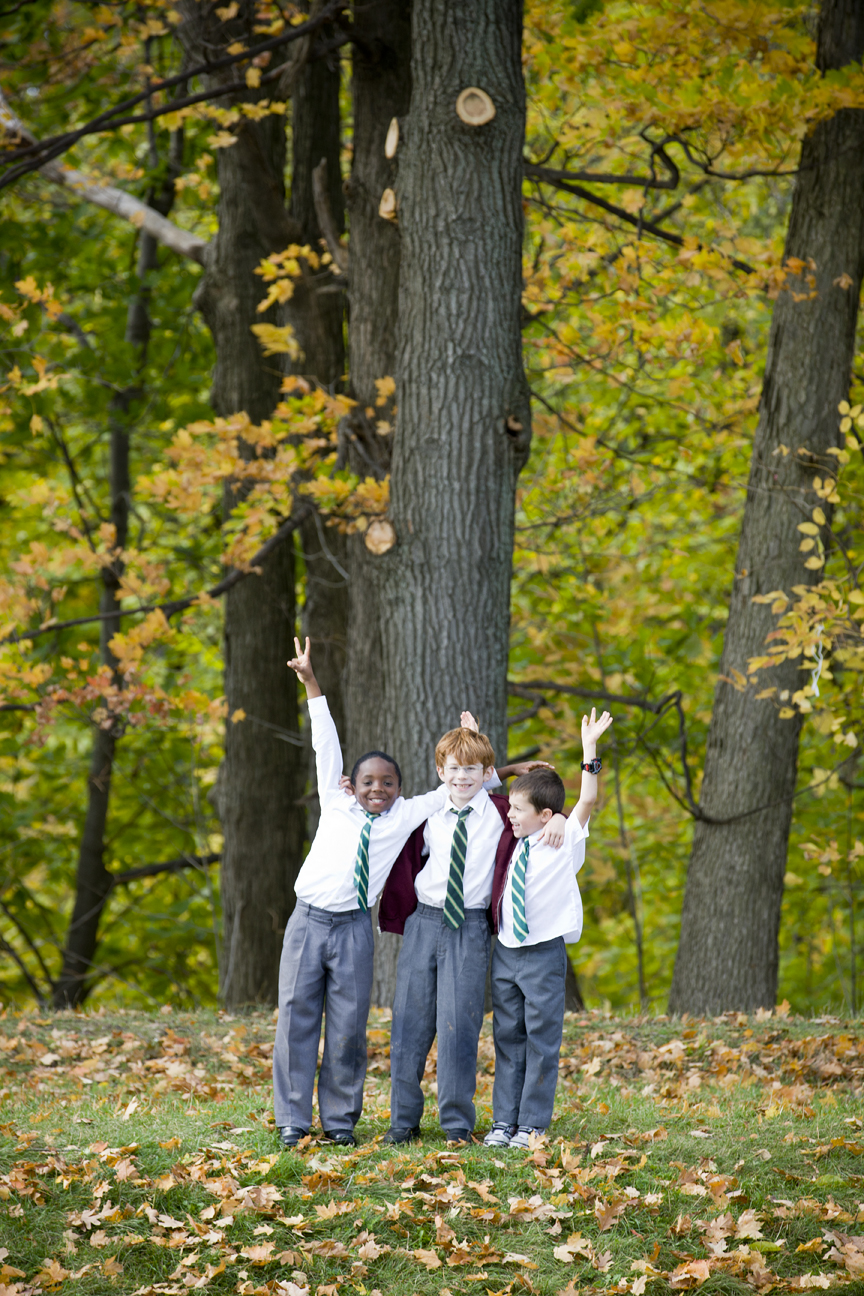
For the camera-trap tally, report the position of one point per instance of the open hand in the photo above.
(525, 767)
(593, 729)
(467, 721)
(553, 833)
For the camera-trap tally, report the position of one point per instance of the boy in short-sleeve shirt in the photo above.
(538, 912)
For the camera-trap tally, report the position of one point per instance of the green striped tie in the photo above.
(454, 905)
(520, 926)
(361, 863)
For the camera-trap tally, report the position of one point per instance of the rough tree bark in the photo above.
(463, 423)
(316, 312)
(463, 406)
(381, 91)
(262, 777)
(728, 952)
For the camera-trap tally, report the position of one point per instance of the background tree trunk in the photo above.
(263, 773)
(728, 952)
(316, 312)
(93, 881)
(463, 406)
(463, 425)
(381, 91)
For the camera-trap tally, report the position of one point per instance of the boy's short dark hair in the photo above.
(368, 756)
(543, 788)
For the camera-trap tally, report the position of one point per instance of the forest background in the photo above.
(646, 314)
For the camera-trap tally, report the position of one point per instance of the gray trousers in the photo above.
(527, 1023)
(440, 987)
(326, 958)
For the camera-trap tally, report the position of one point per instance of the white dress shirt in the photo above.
(484, 832)
(326, 879)
(553, 905)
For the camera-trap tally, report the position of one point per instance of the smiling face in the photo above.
(463, 782)
(525, 818)
(377, 785)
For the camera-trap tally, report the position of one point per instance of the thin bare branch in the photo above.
(169, 866)
(544, 176)
(108, 120)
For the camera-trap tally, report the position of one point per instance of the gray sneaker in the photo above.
(499, 1135)
(522, 1135)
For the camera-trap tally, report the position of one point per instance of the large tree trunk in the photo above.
(262, 776)
(381, 91)
(463, 407)
(463, 410)
(728, 952)
(316, 312)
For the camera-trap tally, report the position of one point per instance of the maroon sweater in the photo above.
(399, 899)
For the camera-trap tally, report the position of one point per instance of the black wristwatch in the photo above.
(593, 766)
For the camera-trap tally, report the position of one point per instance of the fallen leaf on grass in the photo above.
(693, 1273)
(575, 1246)
(748, 1225)
(259, 1254)
(430, 1259)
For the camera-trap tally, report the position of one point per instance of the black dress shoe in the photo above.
(342, 1138)
(290, 1136)
(455, 1138)
(402, 1135)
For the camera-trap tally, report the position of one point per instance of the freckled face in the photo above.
(377, 785)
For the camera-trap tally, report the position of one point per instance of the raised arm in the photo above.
(591, 730)
(302, 668)
(325, 739)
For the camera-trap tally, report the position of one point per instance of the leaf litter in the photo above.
(681, 1151)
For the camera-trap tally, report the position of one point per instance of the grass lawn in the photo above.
(139, 1156)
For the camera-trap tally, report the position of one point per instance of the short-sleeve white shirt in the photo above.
(553, 905)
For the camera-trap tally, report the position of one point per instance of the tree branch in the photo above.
(673, 175)
(13, 954)
(112, 199)
(57, 144)
(301, 511)
(169, 866)
(544, 176)
(336, 247)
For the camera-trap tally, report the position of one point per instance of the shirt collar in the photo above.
(477, 803)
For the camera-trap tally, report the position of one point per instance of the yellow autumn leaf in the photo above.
(277, 340)
(818, 516)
